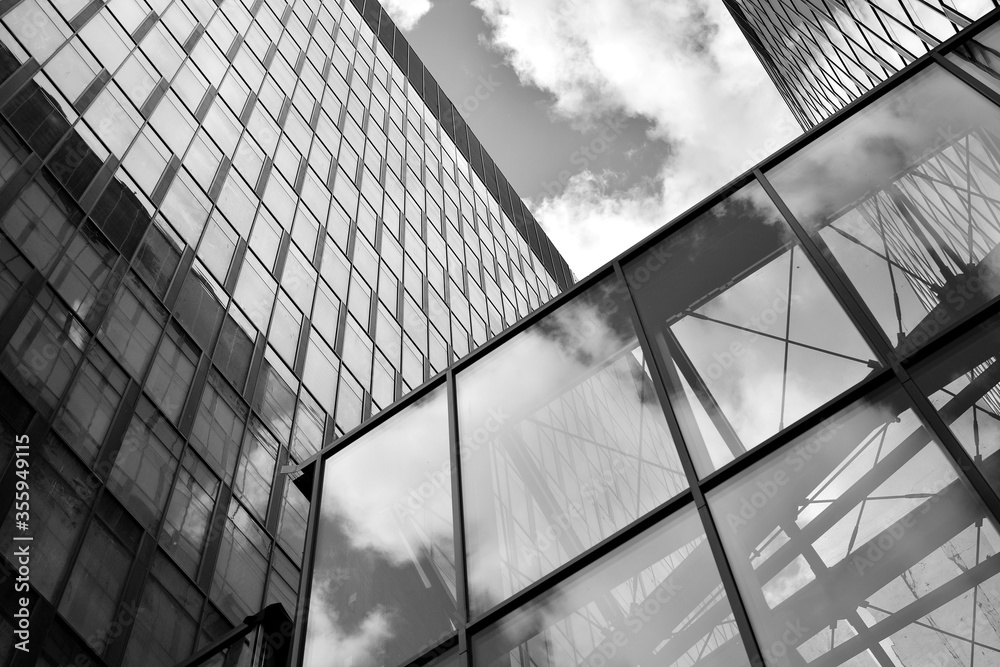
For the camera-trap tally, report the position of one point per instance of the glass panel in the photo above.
(858, 544)
(292, 523)
(44, 351)
(90, 405)
(167, 619)
(980, 57)
(172, 372)
(658, 600)
(40, 221)
(384, 580)
(99, 575)
(133, 325)
(963, 383)
(749, 336)
(158, 259)
(218, 428)
(240, 572)
(276, 403)
(186, 526)
(235, 348)
(14, 269)
(563, 443)
(201, 305)
(256, 469)
(144, 467)
(904, 195)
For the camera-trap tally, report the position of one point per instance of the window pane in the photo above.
(240, 572)
(563, 442)
(384, 581)
(235, 348)
(200, 306)
(99, 575)
(219, 425)
(158, 259)
(963, 383)
(749, 336)
(167, 619)
(186, 525)
(292, 523)
(859, 544)
(256, 469)
(145, 465)
(904, 195)
(133, 325)
(44, 351)
(14, 269)
(40, 221)
(276, 403)
(656, 601)
(173, 369)
(86, 416)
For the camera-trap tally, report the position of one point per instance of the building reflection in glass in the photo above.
(904, 195)
(859, 544)
(750, 337)
(563, 442)
(656, 601)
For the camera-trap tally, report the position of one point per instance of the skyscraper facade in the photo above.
(824, 54)
(766, 435)
(230, 232)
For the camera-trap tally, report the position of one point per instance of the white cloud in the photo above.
(682, 64)
(406, 13)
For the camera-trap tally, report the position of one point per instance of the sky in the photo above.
(609, 117)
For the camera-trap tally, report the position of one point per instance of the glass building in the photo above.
(824, 54)
(230, 232)
(769, 434)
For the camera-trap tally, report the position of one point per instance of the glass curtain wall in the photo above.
(766, 436)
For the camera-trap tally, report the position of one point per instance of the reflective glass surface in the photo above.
(563, 442)
(903, 195)
(823, 55)
(858, 543)
(383, 586)
(748, 335)
(656, 601)
(963, 383)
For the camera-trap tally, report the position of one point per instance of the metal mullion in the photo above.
(458, 514)
(816, 418)
(365, 427)
(959, 73)
(933, 422)
(581, 561)
(834, 279)
(953, 332)
(733, 595)
(298, 639)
